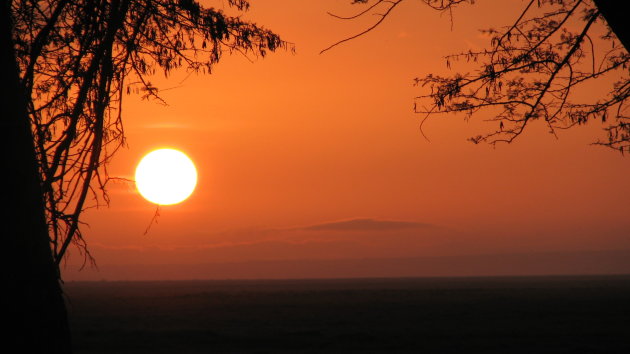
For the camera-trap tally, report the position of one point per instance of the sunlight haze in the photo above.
(312, 159)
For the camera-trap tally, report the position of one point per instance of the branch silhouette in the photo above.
(79, 59)
(531, 70)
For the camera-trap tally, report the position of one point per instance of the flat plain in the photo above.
(555, 314)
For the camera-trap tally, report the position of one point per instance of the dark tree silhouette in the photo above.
(67, 67)
(533, 69)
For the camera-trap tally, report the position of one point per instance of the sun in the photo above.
(166, 176)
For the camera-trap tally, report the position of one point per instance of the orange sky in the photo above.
(311, 157)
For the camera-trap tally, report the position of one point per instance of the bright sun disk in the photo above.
(166, 176)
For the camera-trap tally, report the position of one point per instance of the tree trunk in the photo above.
(616, 15)
(35, 309)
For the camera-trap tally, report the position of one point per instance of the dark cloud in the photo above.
(366, 224)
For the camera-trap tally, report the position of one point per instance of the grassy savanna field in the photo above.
(425, 315)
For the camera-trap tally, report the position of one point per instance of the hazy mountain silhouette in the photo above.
(366, 224)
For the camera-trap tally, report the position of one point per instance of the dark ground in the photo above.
(440, 315)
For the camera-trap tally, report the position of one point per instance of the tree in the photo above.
(68, 66)
(532, 69)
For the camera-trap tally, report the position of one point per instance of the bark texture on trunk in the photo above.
(35, 311)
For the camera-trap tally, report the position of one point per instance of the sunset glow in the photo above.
(382, 176)
(310, 162)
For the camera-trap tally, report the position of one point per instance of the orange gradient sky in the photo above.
(309, 157)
